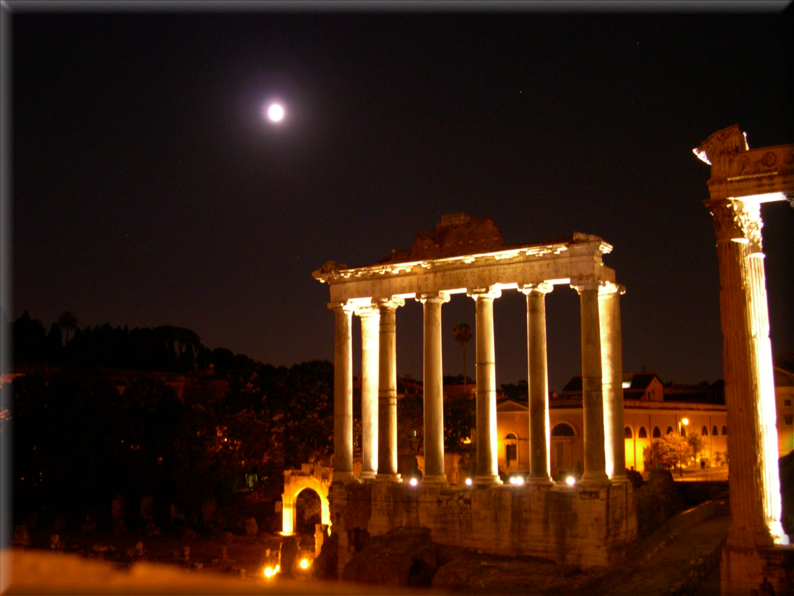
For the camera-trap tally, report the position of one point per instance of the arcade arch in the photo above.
(297, 481)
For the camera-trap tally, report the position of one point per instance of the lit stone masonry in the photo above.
(464, 255)
(741, 180)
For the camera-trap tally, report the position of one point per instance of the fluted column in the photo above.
(387, 391)
(433, 387)
(487, 464)
(592, 394)
(343, 392)
(370, 319)
(538, 383)
(612, 380)
(747, 362)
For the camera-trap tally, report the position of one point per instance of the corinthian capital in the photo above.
(737, 221)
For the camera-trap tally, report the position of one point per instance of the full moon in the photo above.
(275, 112)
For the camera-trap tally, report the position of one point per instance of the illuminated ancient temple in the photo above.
(586, 524)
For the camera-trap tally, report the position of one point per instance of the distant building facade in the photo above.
(651, 410)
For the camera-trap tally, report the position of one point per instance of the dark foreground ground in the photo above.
(681, 558)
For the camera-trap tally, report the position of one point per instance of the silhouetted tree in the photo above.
(30, 343)
(458, 422)
(67, 321)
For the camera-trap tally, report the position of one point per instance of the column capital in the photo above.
(540, 288)
(608, 288)
(346, 306)
(489, 292)
(438, 297)
(368, 310)
(390, 302)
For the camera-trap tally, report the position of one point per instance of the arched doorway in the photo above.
(308, 511)
(562, 437)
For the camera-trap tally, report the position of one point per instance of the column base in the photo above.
(594, 479)
(367, 475)
(440, 479)
(343, 477)
(621, 479)
(388, 478)
(487, 480)
(541, 481)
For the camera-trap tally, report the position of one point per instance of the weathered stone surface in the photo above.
(584, 527)
(251, 527)
(326, 565)
(656, 501)
(400, 558)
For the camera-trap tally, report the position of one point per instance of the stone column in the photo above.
(487, 464)
(343, 392)
(592, 395)
(433, 387)
(538, 383)
(370, 319)
(749, 390)
(612, 380)
(387, 391)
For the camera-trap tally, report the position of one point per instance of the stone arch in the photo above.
(293, 486)
(657, 432)
(563, 429)
(627, 434)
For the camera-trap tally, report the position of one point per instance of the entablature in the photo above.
(511, 268)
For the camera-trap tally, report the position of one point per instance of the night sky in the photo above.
(148, 188)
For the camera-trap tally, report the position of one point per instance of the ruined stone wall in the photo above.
(567, 524)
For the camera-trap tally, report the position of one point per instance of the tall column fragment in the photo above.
(433, 387)
(749, 390)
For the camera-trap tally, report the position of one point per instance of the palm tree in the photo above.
(463, 335)
(67, 321)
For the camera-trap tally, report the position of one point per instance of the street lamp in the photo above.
(682, 432)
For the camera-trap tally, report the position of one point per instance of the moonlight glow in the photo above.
(275, 112)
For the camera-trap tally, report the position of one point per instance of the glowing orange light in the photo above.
(570, 481)
(304, 563)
